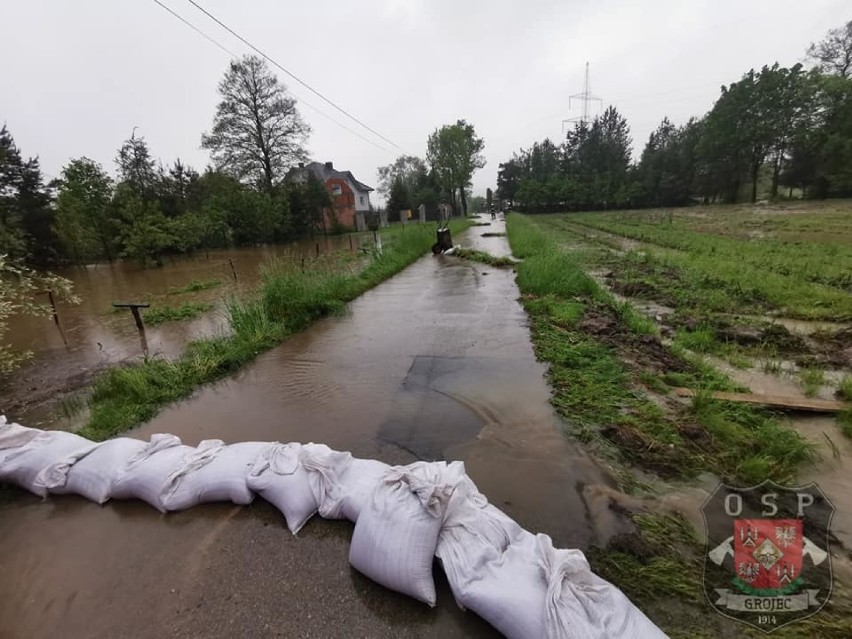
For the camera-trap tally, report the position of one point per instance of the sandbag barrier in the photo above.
(404, 516)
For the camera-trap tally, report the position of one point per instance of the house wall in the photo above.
(359, 205)
(344, 202)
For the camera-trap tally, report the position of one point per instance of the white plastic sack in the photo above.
(397, 532)
(214, 472)
(23, 466)
(358, 482)
(92, 476)
(536, 590)
(578, 599)
(325, 470)
(474, 533)
(14, 436)
(279, 477)
(149, 470)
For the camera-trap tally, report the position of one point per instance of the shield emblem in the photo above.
(768, 560)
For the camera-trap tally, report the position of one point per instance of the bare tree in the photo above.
(257, 131)
(833, 54)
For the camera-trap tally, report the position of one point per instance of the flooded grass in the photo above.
(196, 285)
(484, 258)
(599, 350)
(844, 389)
(169, 313)
(287, 300)
(812, 380)
(605, 375)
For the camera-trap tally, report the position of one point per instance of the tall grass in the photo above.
(286, 301)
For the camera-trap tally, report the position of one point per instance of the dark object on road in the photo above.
(444, 243)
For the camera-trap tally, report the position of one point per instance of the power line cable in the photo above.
(197, 30)
(303, 101)
(292, 75)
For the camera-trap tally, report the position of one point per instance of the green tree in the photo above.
(409, 168)
(136, 167)
(12, 237)
(399, 198)
(833, 54)
(83, 221)
(19, 287)
(454, 151)
(145, 233)
(257, 131)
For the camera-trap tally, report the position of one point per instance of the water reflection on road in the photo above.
(436, 363)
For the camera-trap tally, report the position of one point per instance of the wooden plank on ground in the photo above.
(775, 401)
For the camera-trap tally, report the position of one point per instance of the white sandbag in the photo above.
(92, 476)
(279, 477)
(149, 470)
(581, 604)
(510, 591)
(214, 472)
(397, 532)
(358, 482)
(325, 469)
(474, 533)
(536, 590)
(13, 436)
(23, 466)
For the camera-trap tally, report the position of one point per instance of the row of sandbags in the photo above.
(404, 516)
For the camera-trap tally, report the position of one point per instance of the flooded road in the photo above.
(98, 336)
(435, 363)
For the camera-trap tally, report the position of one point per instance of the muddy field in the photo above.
(744, 299)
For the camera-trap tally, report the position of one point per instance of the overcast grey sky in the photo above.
(77, 76)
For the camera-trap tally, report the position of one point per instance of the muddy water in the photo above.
(436, 363)
(98, 337)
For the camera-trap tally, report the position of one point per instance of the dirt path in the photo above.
(435, 363)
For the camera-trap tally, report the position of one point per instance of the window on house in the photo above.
(362, 199)
(336, 189)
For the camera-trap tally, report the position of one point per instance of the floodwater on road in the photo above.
(435, 363)
(98, 336)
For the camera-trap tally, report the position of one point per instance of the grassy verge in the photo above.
(483, 257)
(196, 285)
(606, 367)
(168, 313)
(287, 301)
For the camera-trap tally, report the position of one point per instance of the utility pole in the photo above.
(586, 97)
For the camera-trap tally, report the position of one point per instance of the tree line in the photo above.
(148, 210)
(454, 153)
(778, 131)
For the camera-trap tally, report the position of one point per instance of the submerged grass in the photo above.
(483, 257)
(196, 285)
(597, 350)
(287, 301)
(168, 313)
(812, 380)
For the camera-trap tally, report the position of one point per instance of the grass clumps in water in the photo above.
(812, 380)
(195, 286)
(286, 301)
(844, 390)
(168, 313)
(483, 257)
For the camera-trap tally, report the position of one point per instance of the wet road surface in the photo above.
(436, 363)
